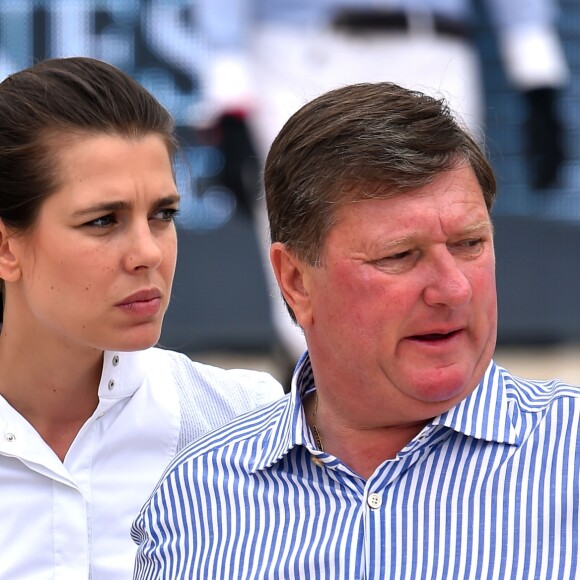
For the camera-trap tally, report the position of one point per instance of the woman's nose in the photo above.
(144, 250)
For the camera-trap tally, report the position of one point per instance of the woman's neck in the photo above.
(54, 389)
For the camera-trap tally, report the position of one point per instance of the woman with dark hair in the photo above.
(90, 412)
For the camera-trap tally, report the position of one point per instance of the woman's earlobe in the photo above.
(9, 263)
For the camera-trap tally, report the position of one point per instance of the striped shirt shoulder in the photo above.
(534, 396)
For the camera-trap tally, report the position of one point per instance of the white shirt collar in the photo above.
(123, 373)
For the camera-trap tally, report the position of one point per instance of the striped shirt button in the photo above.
(374, 501)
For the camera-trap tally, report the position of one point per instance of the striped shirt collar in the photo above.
(485, 414)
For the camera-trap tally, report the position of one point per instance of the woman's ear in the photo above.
(9, 264)
(292, 277)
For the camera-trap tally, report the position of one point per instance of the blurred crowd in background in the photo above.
(232, 71)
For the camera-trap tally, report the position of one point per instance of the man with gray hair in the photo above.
(403, 450)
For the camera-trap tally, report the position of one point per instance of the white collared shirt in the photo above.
(70, 520)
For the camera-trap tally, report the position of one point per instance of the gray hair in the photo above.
(363, 141)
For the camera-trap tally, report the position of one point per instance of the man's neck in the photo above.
(361, 449)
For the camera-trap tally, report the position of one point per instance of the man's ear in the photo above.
(9, 264)
(292, 276)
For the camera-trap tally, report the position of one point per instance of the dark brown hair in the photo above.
(56, 98)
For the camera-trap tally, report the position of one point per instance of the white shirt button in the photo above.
(10, 437)
(111, 385)
(317, 461)
(115, 360)
(374, 501)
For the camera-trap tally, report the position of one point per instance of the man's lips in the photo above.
(436, 336)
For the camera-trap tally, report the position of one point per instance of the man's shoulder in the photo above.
(534, 395)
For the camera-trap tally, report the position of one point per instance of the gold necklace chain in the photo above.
(314, 427)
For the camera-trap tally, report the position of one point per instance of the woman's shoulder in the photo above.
(210, 396)
(199, 379)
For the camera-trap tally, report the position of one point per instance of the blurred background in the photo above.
(220, 310)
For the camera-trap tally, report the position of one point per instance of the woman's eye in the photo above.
(102, 221)
(167, 214)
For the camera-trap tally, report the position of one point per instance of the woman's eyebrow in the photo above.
(109, 206)
(105, 206)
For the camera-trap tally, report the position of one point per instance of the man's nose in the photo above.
(447, 282)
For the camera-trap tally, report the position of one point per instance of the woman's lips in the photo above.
(144, 302)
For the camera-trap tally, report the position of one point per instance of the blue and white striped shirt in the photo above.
(488, 490)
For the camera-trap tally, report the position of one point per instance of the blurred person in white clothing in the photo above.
(269, 57)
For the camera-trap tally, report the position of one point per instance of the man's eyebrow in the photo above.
(111, 206)
(482, 225)
(398, 242)
(477, 227)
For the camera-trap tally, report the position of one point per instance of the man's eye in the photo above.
(469, 244)
(399, 262)
(399, 256)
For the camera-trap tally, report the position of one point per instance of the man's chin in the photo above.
(445, 385)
